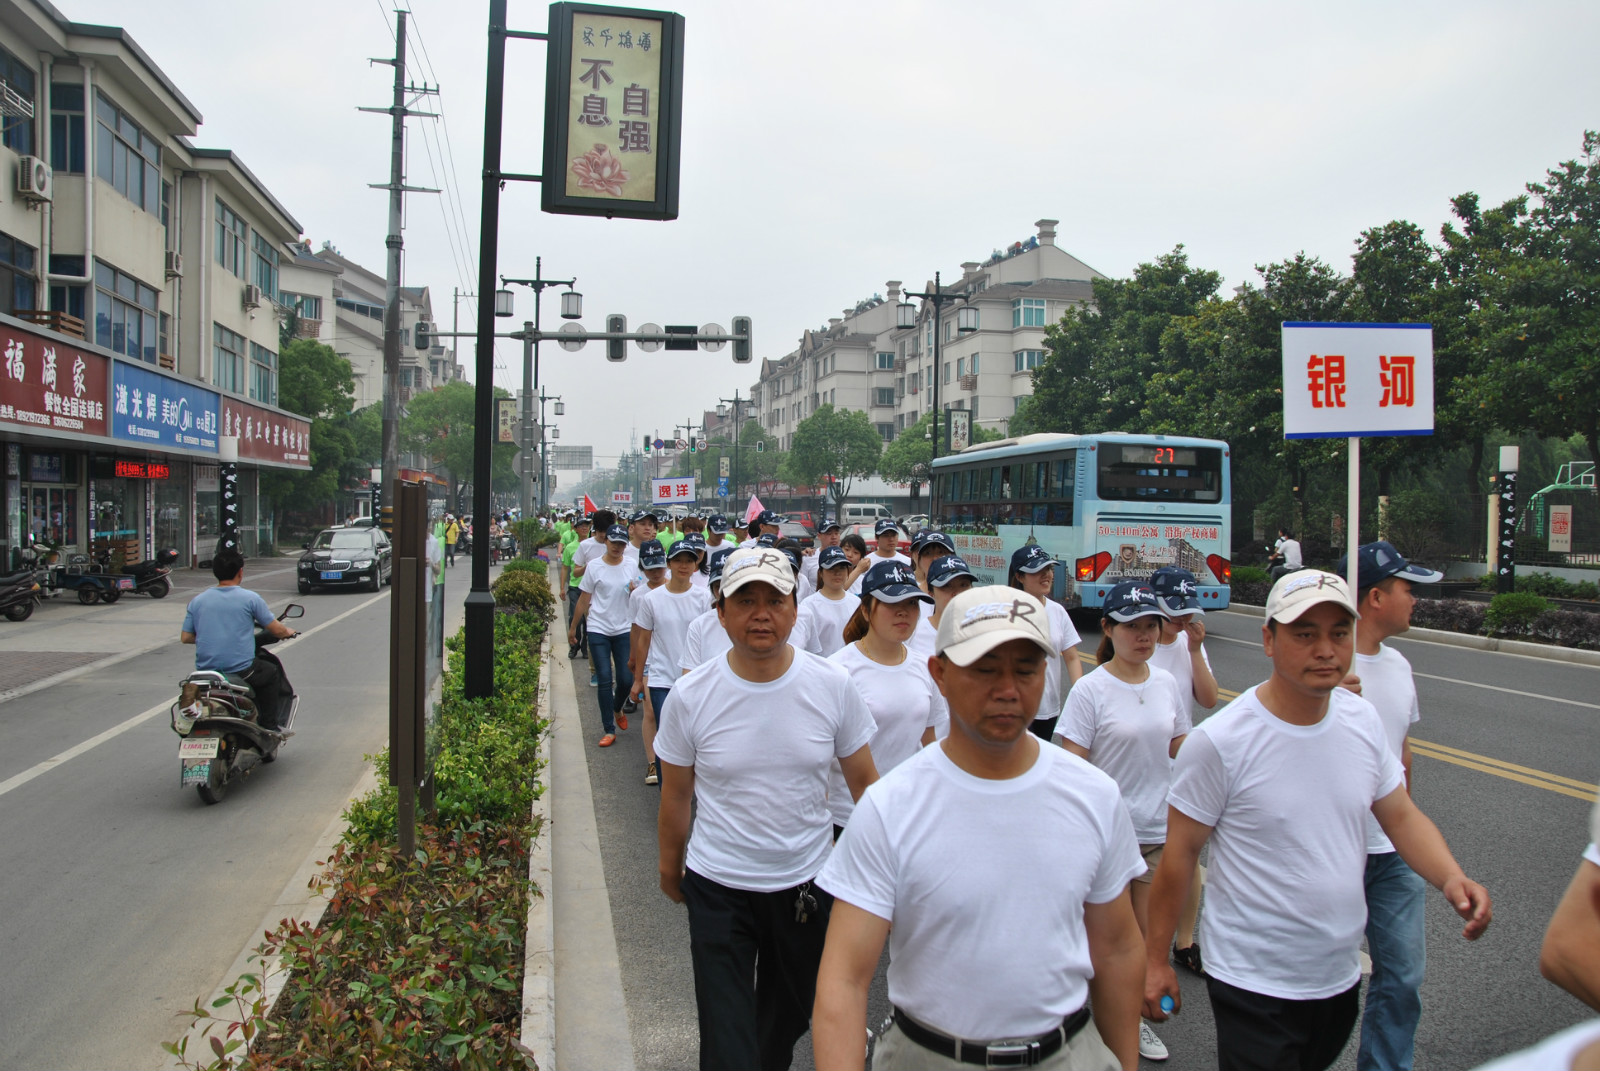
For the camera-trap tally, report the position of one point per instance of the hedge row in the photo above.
(417, 963)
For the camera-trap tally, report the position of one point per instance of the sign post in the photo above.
(1345, 381)
(408, 633)
(1506, 481)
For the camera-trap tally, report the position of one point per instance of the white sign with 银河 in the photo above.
(1351, 380)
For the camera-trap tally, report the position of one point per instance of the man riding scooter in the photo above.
(221, 624)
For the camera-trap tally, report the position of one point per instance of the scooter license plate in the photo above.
(203, 748)
(332, 574)
(196, 772)
(125, 583)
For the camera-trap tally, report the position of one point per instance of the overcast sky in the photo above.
(830, 146)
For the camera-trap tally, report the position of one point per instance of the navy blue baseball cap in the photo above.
(582, 520)
(718, 556)
(944, 569)
(1031, 559)
(616, 534)
(652, 555)
(641, 515)
(884, 526)
(931, 537)
(1129, 600)
(717, 525)
(892, 581)
(1176, 591)
(829, 525)
(766, 539)
(766, 516)
(1377, 562)
(832, 558)
(686, 546)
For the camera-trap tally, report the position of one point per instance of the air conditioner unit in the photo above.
(35, 180)
(174, 263)
(252, 296)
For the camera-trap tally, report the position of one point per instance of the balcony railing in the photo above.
(59, 322)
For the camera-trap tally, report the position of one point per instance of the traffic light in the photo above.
(761, 446)
(421, 332)
(616, 348)
(741, 346)
(647, 444)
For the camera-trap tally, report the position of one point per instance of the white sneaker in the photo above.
(1150, 1046)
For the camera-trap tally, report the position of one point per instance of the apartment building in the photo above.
(863, 360)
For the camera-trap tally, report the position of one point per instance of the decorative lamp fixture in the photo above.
(561, 409)
(967, 319)
(572, 305)
(555, 433)
(722, 410)
(907, 313)
(503, 303)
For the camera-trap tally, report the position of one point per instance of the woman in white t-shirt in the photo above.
(1034, 571)
(1180, 650)
(1128, 718)
(948, 576)
(897, 688)
(819, 624)
(605, 587)
(661, 625)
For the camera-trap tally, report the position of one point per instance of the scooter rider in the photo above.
(221, 624)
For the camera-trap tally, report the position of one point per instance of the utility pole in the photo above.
(397, 111)
(571, 309)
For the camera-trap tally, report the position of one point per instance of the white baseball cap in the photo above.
(748, 565)
(981, 619)
(1297, 592)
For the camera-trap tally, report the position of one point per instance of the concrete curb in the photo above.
(1521, 648)
(297, 901)
(538, 1034)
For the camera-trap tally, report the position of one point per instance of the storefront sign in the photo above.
(44, 468)
(123, 469)
(49, 384)
(613, 112)
(151, 408)
(265, 435)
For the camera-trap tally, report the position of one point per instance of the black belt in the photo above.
(1017, 1052)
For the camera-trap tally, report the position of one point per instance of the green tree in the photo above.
(837, 443)
(439, 423)
(907, 459)
(317, 383)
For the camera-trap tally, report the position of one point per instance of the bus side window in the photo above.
(1005, 482)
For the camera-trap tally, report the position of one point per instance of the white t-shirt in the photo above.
(808, 567)
(1558, 1052)
(819, 625)
(803, 588)
(970, 955)
(904, 702)
(706, 639)
(1129, 730)
(1387, 684)
(1286, 898)
(1063, 637)
(667, 616)
(588, 550)
(1290, 549)
(920, 642)
(1592, 853)
(761, 754)
(700, 581)
(608, 587)
(1174, 658)
(874, 558)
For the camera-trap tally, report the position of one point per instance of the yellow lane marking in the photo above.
(1548, 786)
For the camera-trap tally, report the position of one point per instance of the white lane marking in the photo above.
(1448, 680)
(18, 780)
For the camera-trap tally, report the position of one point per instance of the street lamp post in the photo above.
(738, 426)
(555, 433)
(571, 309)
(966, 323)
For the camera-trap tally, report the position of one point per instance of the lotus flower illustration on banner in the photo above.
(599, 169)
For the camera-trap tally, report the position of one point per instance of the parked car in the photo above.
(797, 532)
(916, 522)
(868, 512)
(346, 557)
(805, 517)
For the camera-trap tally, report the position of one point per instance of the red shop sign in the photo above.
(265, 435)
(45, 383)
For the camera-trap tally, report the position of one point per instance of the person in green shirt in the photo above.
(581, 531)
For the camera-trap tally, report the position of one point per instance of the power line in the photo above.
(449, 150)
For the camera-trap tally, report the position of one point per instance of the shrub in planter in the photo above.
(525, 565)
(517, 591)
(1569, 628)
(1513, 613)
(1250, 574)
(1249, 585)
(1450, 615)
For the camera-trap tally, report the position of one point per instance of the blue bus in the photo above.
(1110, 507)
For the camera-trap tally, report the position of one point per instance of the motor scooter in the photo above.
(19, 594)
(149, 577)
(221, 735)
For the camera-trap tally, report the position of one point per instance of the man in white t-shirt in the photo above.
(886, 549)
(1280, 782)
(828, 535)
(749, 740)
(981, 972)
(1286, 555)
(1033, 570)
(1396, 896)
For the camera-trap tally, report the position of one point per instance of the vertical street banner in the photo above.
(613, 112)
(1344, 381)
(505, 420)
(958, 430)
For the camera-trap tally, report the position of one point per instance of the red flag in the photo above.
(589, 506)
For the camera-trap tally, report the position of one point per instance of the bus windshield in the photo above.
(1148, 473)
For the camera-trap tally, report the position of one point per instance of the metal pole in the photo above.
(738, 431)
(938, 374)
(479, 676)
(391, 290)
(525, 444)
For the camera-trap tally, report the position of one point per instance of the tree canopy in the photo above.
(316, 382)
(438, 424)
(837, 443)
(907, 459)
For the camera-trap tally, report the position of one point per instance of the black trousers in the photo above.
(1256, 1032)
(264, 678)
(1044, 728)
(755, 972)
